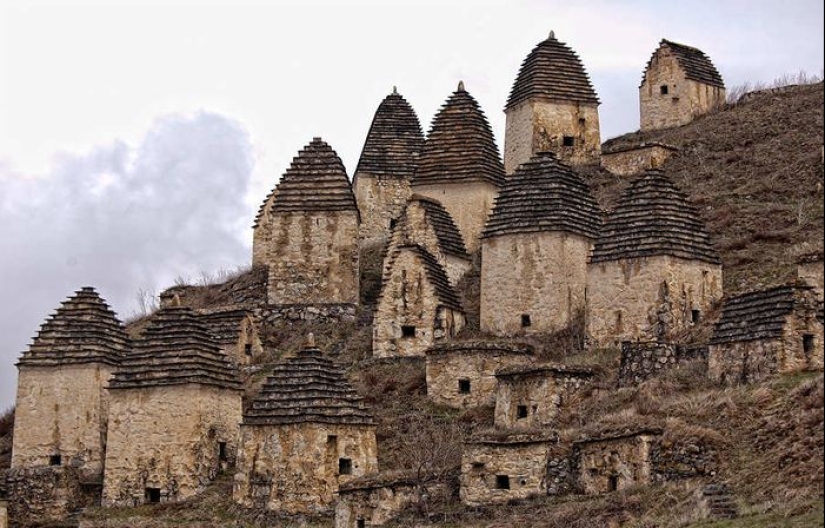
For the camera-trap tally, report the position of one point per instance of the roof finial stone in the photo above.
(395, 90)
(311, 340)
(552, 35)
(461, 87)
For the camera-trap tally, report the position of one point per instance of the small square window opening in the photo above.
(464, 386)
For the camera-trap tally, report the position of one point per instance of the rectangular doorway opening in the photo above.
(223, 455)
(522, 412)
(568, 141)
(408, 332)
(153, 495)
(808, 344)
(613, 483)
(502, 482)
(464, 386)
(344, 466)
(55, 460)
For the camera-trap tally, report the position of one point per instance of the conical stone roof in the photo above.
(308, 388)
(653, 218)
(553, 72)
(83, 330)
(460, 145)
(545, 195)
(176, 349)
(394, 140)
(449, 237)
(696, 65)
(437, 277)
(315, 182)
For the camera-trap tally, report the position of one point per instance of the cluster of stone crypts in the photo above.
(653, 271)
(307, 433)
(764, 332)
(552, 106)
(535, 249)
(387, 164)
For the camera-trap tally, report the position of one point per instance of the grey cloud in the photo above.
(121, 219)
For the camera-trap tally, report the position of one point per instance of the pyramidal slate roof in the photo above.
(545, 195)
(447, 296)
(308, 388)
(449, 237)
(83, 330)
(316, 181)
(394, 140)
(553, 72)
(176, 349)
(460, 145)
(653, 217)
(224, 324)
(761, 314)
(696, 65)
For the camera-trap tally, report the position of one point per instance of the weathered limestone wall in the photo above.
(532, 400)
(168, 438)
(539, 275)
(62, 411)
(312, 258)
(380, 201)
(648, 299)
(248, 345)
(541, 126)
(294, 469)
(262, 233)
(615, 464)
(376, 505)
(813, 273)
(298, 313)
(685, 100)
(636, 160)
(470, 204)
(4, 516)
(408, 299)
(449, 372)
(485, 465)
(43, 495)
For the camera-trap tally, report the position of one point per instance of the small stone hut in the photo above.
(552, 107)
(427, 223)
(530, 396)
(680, 83)
(417, 307)
(236, 332)
(175, 413)
(63, 410)
(501, 467)
(616, 461)
(462, 375)
(306, 232)
(382, 179)
(811, 270)
(766, 332)
(375, 500)
(535, 249)
(631, 160)
(306, 434)
(654, 271)
(460, 166)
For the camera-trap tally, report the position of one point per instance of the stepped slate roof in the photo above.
(553, 72)
(460, 145)
(83, 330)
(653, 217)
(176, 349)
(447, 296)
(761, 314)
(449, 237)
(308, 388)
(545, 195)
(394, 140)
(224, 324)
(696, 65)
(316, 181)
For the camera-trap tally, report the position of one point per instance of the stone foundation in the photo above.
(504, 467)
(463, 375)
(643, 361)
(48, 495)
(615, 463)
(637, 159)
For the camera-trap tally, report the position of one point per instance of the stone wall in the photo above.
(310, 313)
(531, 397)
(540, 126)
(380, 201)
(648, 299)
(169, 438)
(410, 316)
(672, 461)
(62, 411)
(294, 469)
(561, 471)
(504, 468)
(39, 496)
(812, 271)
(614, 464)
(533, 283)
(463, 375)
(469, 203)
(637, 159)
(376, 501)
(4, 516)
(684, 101)
(643, 361)
(312, 258)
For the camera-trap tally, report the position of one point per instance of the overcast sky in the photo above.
(138, 138)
